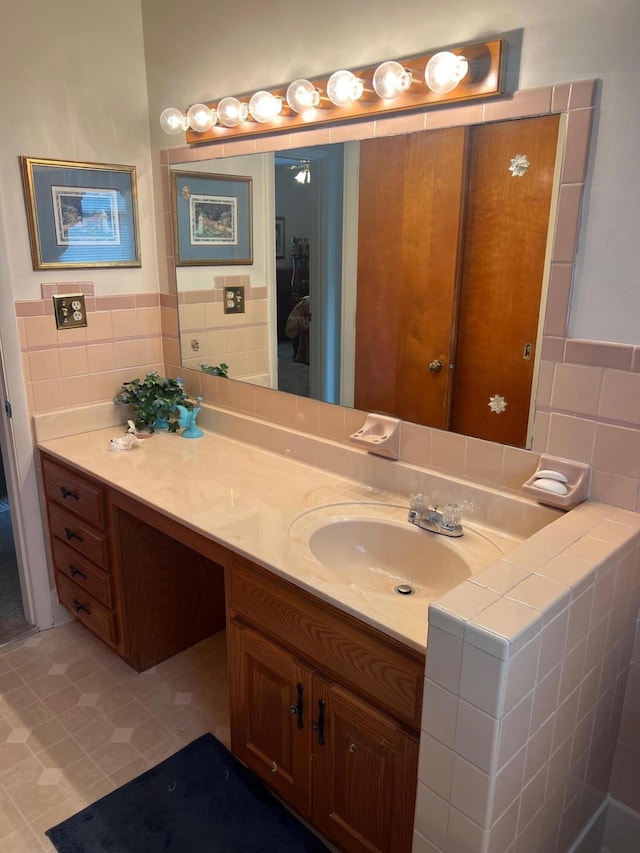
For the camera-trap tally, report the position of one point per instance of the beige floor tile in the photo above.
(61, 754)
(23, 777)
(12, 754)
(46, 734)
(148, 734)
(80, 717)
(15, 699)
(112, 757)
(132, 714)
(80, 775)
(163, 749)
(130, 771)
(25, 840)
(10, 818)
(38, 801)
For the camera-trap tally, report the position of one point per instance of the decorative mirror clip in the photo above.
(519, 165)
(497, 404)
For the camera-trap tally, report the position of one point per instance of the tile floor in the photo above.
(76, 722)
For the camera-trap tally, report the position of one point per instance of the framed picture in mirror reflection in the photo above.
(212, 218)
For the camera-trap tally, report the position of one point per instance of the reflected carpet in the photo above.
(200, 800)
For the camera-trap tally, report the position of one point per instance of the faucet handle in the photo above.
(418, 502)
(452, 515)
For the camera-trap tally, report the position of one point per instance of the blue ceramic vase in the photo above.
(188, 422)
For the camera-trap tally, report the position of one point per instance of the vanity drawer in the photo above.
(390, 675)
(98, 618)
(74, 493)
(77, 568)
(78, 535)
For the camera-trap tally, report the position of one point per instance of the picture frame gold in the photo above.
(80, 215)
(212, 219)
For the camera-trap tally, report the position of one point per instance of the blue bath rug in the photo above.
(200, 800)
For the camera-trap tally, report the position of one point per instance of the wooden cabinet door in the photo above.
(409, 231)
(364, 773)
(271, 714)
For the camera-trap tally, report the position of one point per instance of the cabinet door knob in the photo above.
(318, 725)
(274, 767)
(68, 493)
(352, 747)
(297, 710)
(79, 607)
(71, 534)
(76, 572)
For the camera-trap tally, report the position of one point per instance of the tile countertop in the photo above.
(245, 498)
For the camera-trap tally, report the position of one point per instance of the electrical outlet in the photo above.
(234, 300)
(70, 311)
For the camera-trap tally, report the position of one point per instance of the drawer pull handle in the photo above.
(318, 725)
(75, 572)
(68, 493)
(297, 710)
(81, 607)
(274, 767)
(352, 747)
(71, 534)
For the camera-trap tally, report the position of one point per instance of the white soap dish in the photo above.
(559, 482)
(380, 435)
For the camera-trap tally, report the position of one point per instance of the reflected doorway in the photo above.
(309, 271)
(293, 376)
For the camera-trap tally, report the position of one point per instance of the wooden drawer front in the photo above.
(74, 493)
(379, 668)
(87, 610)
(77, 568)
(78, 535)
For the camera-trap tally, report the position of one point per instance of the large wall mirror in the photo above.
(404, 274)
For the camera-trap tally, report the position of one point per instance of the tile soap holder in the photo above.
(380, 434)
(559, 482)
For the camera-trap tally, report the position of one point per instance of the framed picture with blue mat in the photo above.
(200, 800)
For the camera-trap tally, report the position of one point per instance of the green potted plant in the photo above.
(154, 400)
(221, 369)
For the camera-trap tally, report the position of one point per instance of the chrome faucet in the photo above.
(446, 520)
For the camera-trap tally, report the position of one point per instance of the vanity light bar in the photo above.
(458, 74)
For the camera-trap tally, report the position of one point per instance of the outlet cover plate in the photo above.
(234, 300)
(70, 311)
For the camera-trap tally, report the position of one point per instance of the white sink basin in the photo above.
(374, 546)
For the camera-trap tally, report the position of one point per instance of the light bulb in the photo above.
(231, 112)
(444, 71)
(264, 106)
(343, 88)
(201, 118)
(173, 121)
(390, 79)
(302, 95)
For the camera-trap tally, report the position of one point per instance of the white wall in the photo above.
(72, 87)
(194, 52)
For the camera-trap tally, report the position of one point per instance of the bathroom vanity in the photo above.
(326, 677)
(325, 708)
